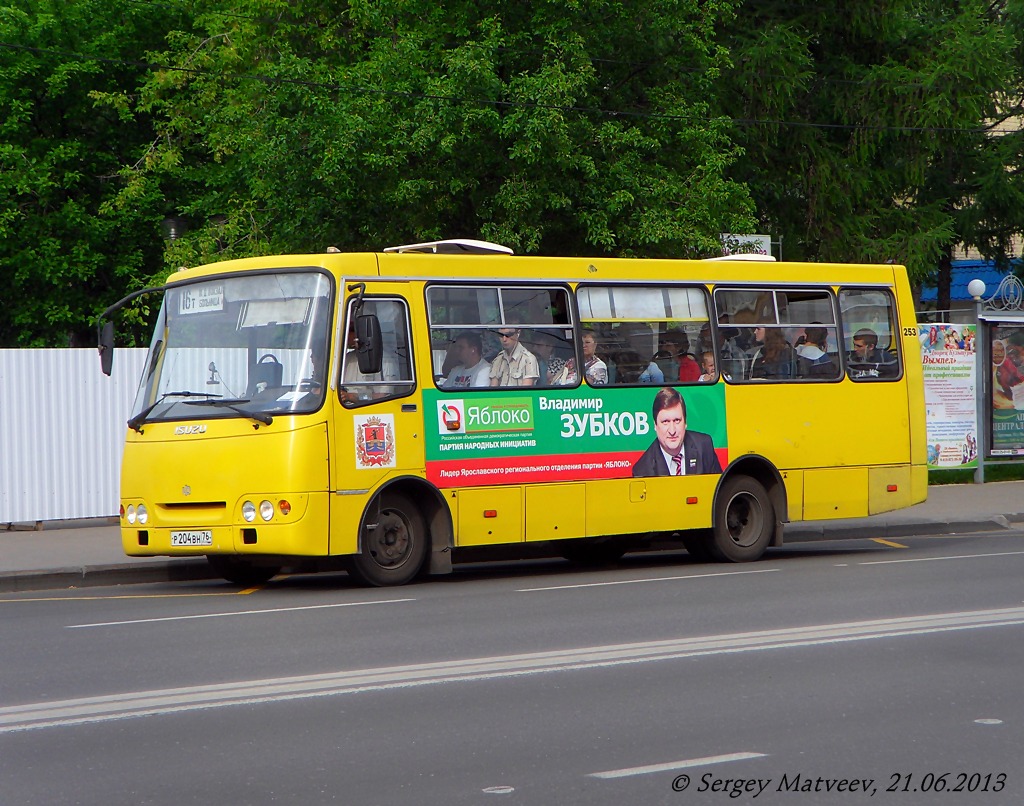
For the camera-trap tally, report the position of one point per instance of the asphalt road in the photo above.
(828, 673)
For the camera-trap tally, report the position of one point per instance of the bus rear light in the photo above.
(490, 513)
(249, 511)
(266, 510)
(284, 507)
(143, 514)
(130, 513)
(121, 512)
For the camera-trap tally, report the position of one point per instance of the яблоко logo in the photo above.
(490, 416)
(450, 419)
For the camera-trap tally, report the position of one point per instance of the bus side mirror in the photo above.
(370, 350)
(106, 347)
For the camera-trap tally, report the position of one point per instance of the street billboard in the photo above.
(948, 355)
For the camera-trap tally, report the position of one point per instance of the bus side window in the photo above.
(645, 334)
(870, 338)
(778, 335)
(501, 336)
(395, 378)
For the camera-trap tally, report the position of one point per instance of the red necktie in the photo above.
(677, 460)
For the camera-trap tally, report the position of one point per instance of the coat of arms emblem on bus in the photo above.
(375, 441)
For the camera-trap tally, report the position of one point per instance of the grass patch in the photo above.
(1002, 471)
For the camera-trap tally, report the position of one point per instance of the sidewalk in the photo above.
(90, 555)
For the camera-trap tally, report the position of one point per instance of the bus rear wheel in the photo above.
(393, 543)
(241, 571)
(744, 520)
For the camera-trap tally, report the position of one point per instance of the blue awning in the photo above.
(963, 272)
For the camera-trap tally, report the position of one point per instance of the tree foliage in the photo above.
(550, 127)
(64, 252)
(868, 127)
(852, 131)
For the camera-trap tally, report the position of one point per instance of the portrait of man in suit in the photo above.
(676, 451)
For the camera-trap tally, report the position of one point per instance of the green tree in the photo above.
(867, 127)
(65, 252)
(578, 128)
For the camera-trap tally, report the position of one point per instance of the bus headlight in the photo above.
(266, 510)
(249, 511)
(143, 514)
(130, 513)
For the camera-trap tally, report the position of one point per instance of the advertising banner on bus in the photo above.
(521, 435)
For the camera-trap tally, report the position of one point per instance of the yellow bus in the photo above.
(389, 409)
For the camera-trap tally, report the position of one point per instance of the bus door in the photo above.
(378, 420)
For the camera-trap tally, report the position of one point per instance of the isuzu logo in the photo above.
(183, 430)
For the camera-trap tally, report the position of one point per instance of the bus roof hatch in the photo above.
(753, 256)
(454, 246)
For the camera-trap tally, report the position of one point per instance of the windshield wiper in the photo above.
(135, 423)
(233, 404)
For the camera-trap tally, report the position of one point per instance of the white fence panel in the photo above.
(62, 427)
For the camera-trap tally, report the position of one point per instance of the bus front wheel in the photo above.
(744, 519)
(393, 542)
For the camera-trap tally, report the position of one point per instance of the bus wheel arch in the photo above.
(405, 529)
(749, 510)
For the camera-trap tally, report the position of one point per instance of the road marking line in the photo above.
(118, 596)
(676, 765)
(932, 559)
(233, 613)
(134, 704)
(889, 543)
(648, 579)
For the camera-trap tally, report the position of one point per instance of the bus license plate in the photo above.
(203, 538)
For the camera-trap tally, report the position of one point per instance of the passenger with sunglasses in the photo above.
(514, 365)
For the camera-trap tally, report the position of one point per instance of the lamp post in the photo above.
(976, 288)
(172, 227)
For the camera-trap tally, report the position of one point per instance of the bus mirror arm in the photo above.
(357, 306)
(105, 327)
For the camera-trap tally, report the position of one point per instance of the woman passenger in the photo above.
(594, 369)
(775, 358)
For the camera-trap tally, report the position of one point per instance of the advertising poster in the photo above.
(521, 435)
(1007, 351)
(948, 356)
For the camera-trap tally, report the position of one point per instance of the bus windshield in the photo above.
(240, 345)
